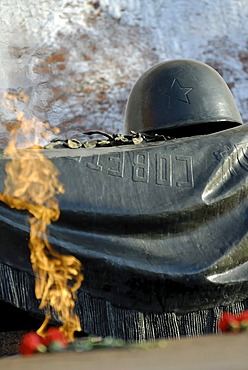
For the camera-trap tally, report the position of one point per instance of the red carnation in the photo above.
(228, 323)
(55, 339)
(31, 343)
(243, 320)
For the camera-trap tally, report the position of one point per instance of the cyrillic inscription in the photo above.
(162, 169)
(116, 165)
(141, 167)
(94, 165)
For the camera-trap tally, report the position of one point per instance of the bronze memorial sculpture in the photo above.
(157, 216)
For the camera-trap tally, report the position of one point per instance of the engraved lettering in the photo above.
(94, 165)
(187, 171)
(170, 170)
(141, 167)
(164, 170)
(117, 162)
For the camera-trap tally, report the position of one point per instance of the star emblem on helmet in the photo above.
(178, 92)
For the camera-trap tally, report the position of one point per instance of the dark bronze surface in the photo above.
(159, 227)
(180, 96)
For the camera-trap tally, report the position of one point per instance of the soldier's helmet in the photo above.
(181, 97)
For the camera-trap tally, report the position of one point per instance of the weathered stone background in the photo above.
(77, 60)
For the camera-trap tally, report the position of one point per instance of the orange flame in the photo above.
(31, 184)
